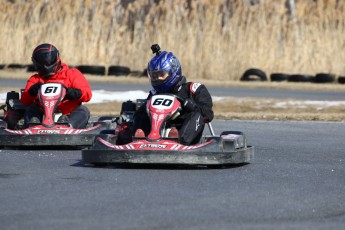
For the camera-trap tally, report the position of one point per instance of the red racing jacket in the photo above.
(71, 78)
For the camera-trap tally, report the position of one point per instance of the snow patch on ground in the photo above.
(99, 96)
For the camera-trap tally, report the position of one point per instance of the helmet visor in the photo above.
(155, 75)
(158, 77)
(45, 70)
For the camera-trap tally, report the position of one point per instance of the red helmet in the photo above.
(46, 59)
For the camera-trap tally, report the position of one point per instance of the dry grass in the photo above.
(232, 39)
(215, 40)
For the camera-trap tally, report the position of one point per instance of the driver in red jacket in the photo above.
(46, 59)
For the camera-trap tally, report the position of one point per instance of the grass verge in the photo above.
(232, 107)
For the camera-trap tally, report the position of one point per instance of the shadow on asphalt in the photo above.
(157, 166)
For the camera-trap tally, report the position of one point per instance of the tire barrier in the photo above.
(145, 72)
(324, 78)
(118, 70)
(30, 68)
(16, 66)
(300, 78)
(251, 74)
(341, 79)
(279, 77)
(91, 69)
(257, 73)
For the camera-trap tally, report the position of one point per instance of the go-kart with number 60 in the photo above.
(230, 147)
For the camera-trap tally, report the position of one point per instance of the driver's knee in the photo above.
(79, 117)
(31, 111)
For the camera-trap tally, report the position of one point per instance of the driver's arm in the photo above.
(26, 98)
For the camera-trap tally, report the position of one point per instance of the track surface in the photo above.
(295, 182)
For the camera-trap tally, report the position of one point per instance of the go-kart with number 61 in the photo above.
(230, 147)
(49, 132)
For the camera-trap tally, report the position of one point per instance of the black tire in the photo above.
(145, 72)
(100, 123)
(279, 77)
(105, 118)
(231, 132)
(341, 79)
(140, 103)
(299, 78)
(30, 68)
(90, 69)
(108, 131)
(324, 78)
(3, 124)
(258, 75)
(2, 66)
(12, 95)
(118, 70)
(128, 106)
(16, 66)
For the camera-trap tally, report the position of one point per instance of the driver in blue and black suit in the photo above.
(165, 74)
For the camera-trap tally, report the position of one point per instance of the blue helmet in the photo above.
(164, 62)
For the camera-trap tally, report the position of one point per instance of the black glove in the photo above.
(189, 105)
(33, 91)
(72, 94)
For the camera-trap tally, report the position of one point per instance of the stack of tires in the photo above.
(113, 70)
(253, 74)
(118, 70)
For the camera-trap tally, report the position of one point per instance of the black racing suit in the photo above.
(189, 124)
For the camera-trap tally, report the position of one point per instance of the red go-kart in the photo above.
(49, 132)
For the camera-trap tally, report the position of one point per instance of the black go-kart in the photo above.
(230, 147)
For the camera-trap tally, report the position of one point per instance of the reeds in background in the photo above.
(216, 39)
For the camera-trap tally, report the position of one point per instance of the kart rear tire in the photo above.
(106, 118)
(232, 132)
(128, 106)
(108, 131)
(3, 125)
(107, 125)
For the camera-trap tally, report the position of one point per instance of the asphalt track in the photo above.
(295, 182)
